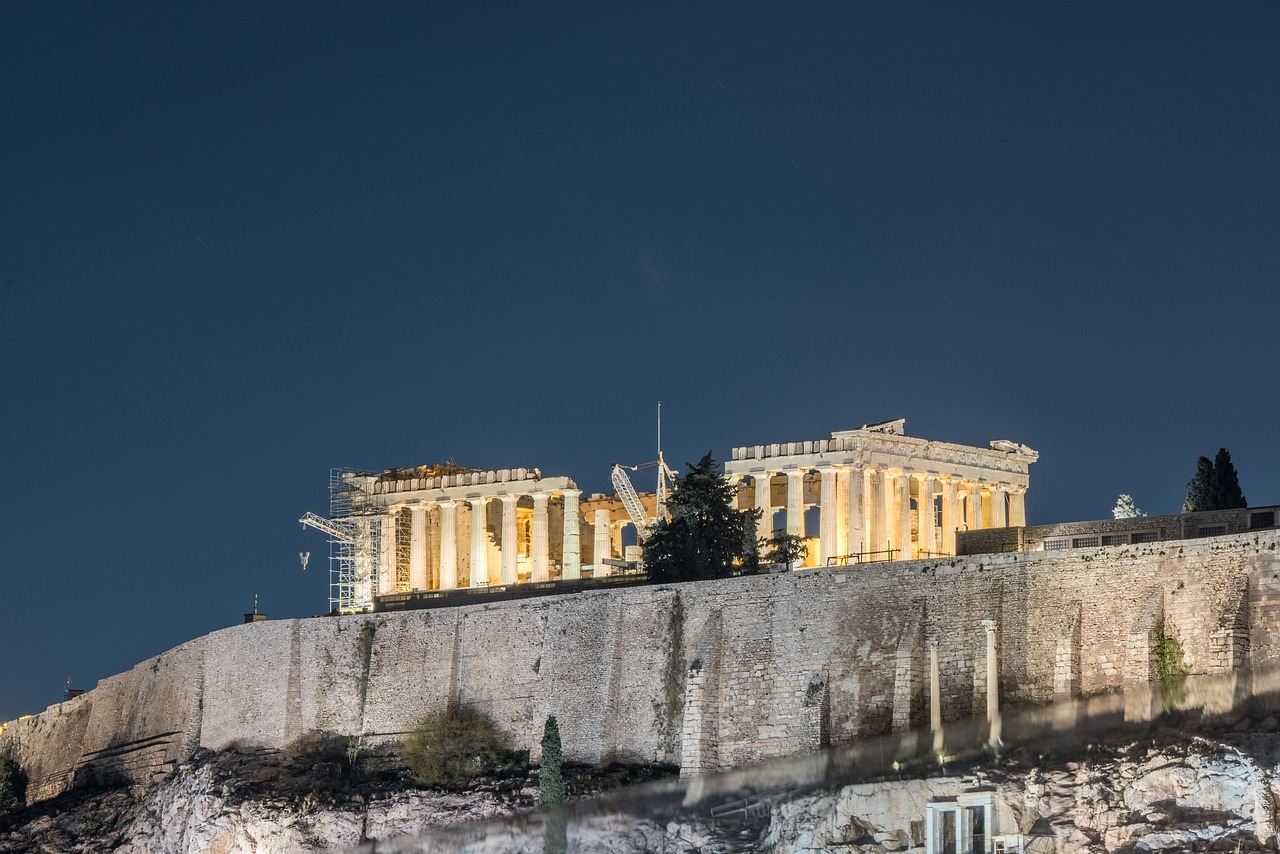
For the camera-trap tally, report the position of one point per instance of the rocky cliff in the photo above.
(1197, 789)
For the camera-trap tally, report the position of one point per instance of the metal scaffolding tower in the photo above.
(355, 536)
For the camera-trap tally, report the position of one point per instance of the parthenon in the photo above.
(870, 485)
(878, 494)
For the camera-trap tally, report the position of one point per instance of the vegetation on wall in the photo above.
(1215, 486)
(705, 536)
(1170, 659)
(451, 749)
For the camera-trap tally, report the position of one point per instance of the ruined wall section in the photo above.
(799, 659)
(135, 726)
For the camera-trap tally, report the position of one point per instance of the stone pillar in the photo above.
(1018, 506)
(387, 554)
(950, 514)
(973, 506)
(418, 546)
(600, 531)
(879, 536)
(857, 543)
(999, 519)
(479, 543)
(448, 545)
(510, 540)
(842, 511)
(926, 515)
(903, 545)
(764, 525)
(935, 696)
(540, 547)
(795, 503)
(889, 506)
(988, 496)
(827, 519)
(571, 554)
(993, 683)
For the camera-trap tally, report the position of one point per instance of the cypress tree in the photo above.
(1200, 489)
(1226, 483)
(1216, 486)
(550, 776)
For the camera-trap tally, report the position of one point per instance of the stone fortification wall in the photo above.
(704, 675)
(1179, 526)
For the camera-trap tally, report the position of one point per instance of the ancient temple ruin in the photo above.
(880, 494)
(877, 494)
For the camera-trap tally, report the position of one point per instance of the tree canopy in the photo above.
(1126, 507)
(705, 536)
(1216, 486)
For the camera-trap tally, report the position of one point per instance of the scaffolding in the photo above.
(354, 528)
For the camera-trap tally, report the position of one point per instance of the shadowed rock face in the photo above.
(1208, 789)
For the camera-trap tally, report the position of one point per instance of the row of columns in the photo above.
(866, 508)
(539, 546)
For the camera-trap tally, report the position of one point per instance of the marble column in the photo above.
(926, 515)
(903, 545)
(795, 503)
(600, 540)
(988, 502)
(935, 696)
(891, 518)
(418, 547)
(857, 512)
(571, 554)
(510, 540)
(950, 515)
(879, 528)
(993, 683)
(1018, 506)
(387, 554)
(827, 514)
(448, 545)
(842, 511)
(973, 506)
(540, 547)
(479, 542)
(999, 518)
(764, 525)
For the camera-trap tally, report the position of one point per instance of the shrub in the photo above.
(12, 786)
(452, 749)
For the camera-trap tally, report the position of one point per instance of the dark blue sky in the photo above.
(240, 244)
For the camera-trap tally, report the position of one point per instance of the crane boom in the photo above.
(343, 531)
(630, 500)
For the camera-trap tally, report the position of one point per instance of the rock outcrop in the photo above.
(1188, 793)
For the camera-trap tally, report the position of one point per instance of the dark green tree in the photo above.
(550, 774)
(784, 548)
(1216, 486)
(1226, 483)
(705, 536)
(1199, 488)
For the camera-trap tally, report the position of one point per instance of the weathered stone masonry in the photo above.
(705, 675)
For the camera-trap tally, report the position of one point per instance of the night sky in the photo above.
(242, 243)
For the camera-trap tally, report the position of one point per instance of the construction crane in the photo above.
(352, 564)
(344, 531)
(627, 491)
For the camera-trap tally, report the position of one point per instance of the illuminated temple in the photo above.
(862, 495)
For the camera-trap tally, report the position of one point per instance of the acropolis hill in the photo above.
(702, 675)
